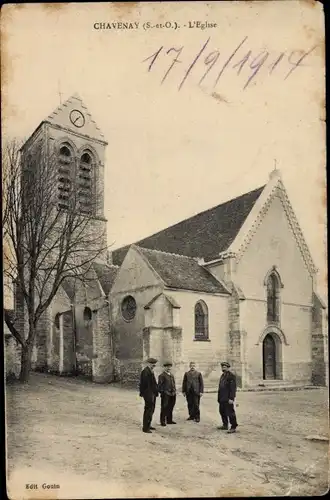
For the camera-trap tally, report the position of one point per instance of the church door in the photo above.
(269, 358)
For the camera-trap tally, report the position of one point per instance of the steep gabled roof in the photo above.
(69, 288)
(204, 235)
(106, 274)
(89, 281)
(181, 272)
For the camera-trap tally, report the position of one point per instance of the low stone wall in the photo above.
(130, 371)
(12, 357)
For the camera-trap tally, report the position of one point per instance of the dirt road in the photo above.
(74, 439)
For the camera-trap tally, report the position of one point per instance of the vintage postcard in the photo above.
(164, 235)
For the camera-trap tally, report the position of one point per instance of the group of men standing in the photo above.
(192, 389)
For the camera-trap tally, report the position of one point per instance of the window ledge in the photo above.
(202, 340)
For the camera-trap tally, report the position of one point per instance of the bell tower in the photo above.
(72, 138)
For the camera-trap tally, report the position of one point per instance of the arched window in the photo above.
(64, 176)
(57, 321)
(87, 314)
(85, 184)
(201, 321)
(273, 298)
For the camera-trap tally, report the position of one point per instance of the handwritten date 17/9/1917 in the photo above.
(241, 59)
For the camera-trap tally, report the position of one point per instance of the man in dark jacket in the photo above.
(192, 389)
(226, 397)
(149, 392)
(167, 390)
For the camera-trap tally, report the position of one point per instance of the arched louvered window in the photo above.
(87, 314)
(57, 320)
(273, 298)
(64, 176)
(201, 321)
(85, 183)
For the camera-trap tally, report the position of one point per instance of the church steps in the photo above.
(268, 388)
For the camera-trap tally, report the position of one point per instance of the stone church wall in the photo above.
(207, 354)
(103, 361)
(60, 304)
(320, 366)
(128, 335)
(274, 244)
(135, 278)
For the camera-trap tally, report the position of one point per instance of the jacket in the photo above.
(227, 387)
(166, 384)
(148, 384)
(193, 382)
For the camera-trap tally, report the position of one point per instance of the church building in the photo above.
(235, 282)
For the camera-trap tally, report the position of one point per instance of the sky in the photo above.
(175, 152)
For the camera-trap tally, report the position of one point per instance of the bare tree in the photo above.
(48, 230)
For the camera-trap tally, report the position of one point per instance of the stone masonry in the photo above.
(234, 336)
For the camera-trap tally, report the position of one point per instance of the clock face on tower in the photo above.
(77, 118)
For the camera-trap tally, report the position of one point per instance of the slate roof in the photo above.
(106, 274)
(204, 235)
(68, 287)
(90, 281)
(178, 271)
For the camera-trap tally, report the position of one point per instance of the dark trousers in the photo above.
(227, 412)
(166, 408)
(149, 408)
(193, 401)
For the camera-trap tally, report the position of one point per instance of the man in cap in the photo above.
(149, 392)
(226, 397)
(167, 389)
(192, 389)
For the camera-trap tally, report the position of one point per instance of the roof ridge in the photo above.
(217, 228)
(106, 264)
(204, 211)
(167, 253)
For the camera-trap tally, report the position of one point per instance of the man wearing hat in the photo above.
(226, 397)
(167, 389)
(149, 392)
(192, 389)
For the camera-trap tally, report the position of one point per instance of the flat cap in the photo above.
(153, 361)
(168, 363)
(225, 363)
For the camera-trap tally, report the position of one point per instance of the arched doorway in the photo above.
(269, 357)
